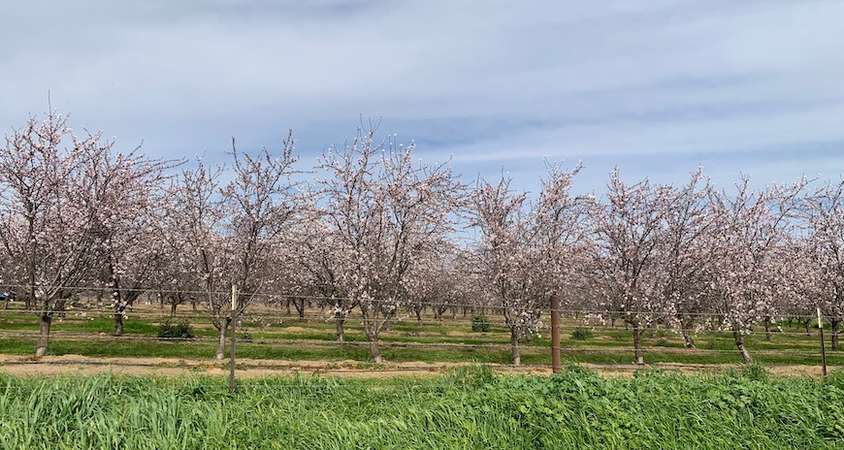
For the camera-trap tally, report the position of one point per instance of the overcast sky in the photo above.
(656, 87)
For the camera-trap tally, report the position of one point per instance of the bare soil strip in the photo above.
(258, 368)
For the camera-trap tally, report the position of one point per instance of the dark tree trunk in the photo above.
(767, 324)
(118, 324)
(173, 306)
(45, 320)
(688, 340)
(118, 302)
(745, 356)
(375, 350)
(514, 347)
(221, 346)
(834, 324)
(637, 345)
(299, 304)
(418, 312)
(341, 323)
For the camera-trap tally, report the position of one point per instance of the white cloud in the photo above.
(486, 81)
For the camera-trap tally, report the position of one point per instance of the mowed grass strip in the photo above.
(467, 409)
(338, 352)
(447, 341)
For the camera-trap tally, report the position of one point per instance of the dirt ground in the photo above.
(254, 368)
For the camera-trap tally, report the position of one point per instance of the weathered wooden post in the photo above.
(234, 316)
(823, 348)
(555, 334)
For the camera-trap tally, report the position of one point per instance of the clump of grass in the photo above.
(480, 324)
(180, 330)
(755, 372)
(581, 334)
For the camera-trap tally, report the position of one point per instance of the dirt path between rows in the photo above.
(257, 368)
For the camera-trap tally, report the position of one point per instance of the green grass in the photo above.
(467, 409)
(404, 341)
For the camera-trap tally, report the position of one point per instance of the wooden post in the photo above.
(823, 349)
(234, 315)
(555, 334)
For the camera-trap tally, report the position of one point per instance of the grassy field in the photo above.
(467, 409)
(432, 341)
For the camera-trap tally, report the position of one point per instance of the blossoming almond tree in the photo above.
(627, 275)
(262, 202)
(560, 221)
(383, 210)
(195, 216)
(748, 273)
(510, 258)
(686, 254)
(50, 230)
(824, 214)
(323, 260)
(121, 198)
(433, 283)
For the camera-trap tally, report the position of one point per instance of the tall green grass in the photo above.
(467, 409)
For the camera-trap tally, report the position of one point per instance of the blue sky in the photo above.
(656, 87)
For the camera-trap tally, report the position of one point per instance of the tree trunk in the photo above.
(418, 312)
(514, 347)
(745, 356)
(767, 325)
(193, 304)
(806, 325)
(834, 328)
(221, 347)
(375, 350)
(173, 306)
(288, 306)
(299, 304)
(117, 300)
(688, 340)
(340, 322)
(44, 334)
(637, 345)
(118, 324)
(453, 313)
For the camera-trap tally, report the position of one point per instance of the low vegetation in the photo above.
(468, 409)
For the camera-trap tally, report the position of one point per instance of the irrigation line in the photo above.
(299, 368)
(82, 316)
(575, 314)
(315, 343)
